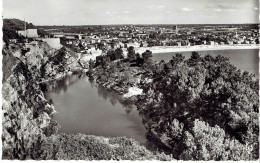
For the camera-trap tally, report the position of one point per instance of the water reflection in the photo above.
(113, 97)
(61, 85)
(84, 106)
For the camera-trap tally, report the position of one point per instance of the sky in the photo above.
(97, 12)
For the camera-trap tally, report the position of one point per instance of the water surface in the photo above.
(244, 59)
(85, 107)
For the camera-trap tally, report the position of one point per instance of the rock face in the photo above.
(9, 61)
(26, 115)
(45, 62)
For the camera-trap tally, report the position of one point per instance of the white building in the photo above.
(30, 33)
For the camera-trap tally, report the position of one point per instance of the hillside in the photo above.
(10, 26)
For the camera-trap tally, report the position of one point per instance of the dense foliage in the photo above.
(202, 108)
(88, 147)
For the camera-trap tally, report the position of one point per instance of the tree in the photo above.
(194, 59)
(212, 100)
(119, 53)
(147, 55)
(111, 54)
(176, 59)
(139, 60)
(131, 53)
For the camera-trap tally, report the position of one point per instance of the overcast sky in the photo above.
(86, 12)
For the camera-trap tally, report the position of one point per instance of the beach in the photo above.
(165, 49)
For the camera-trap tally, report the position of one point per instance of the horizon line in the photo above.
(153, 24)
(138, 23)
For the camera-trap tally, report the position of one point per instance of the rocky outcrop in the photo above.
(9, 62)
(26, 117)
(45, 62)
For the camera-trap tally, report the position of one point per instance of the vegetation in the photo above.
(88, 147)
(202, 108)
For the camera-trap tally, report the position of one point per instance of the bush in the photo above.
(208, 92)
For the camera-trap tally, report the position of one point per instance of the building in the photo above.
(30, 33)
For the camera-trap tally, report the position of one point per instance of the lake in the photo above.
(244, 59)
(85, 107)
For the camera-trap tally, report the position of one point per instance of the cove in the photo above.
(85, 107)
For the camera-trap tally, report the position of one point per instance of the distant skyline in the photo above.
(102, 12)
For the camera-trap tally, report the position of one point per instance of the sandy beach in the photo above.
(165, 49)
(168, 49)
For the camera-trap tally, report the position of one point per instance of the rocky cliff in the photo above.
(26, 115)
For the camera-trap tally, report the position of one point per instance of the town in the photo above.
(99, 39)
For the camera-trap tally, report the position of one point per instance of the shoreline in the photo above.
(168, 49)
(172, 49)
